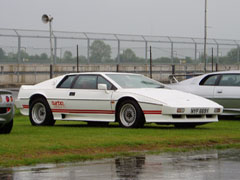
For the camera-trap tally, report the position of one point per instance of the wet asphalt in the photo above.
(205, 165)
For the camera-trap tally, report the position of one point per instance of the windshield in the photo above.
(134, 81)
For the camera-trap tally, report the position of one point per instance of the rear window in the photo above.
(66, 82)
(209, 80)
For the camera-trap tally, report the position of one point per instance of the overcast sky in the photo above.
(148, 17)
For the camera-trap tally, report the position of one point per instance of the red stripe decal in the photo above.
(89, 111)
(25, 106)
(152, 112)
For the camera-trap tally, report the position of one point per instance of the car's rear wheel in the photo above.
(40, 113)
(6, 128)
(130, 115)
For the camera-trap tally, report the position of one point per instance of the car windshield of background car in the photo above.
(134, 81)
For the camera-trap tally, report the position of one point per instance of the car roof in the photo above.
(197, 79)
(102, 73)
(225, 72)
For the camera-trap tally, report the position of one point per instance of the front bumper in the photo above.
(171, 115)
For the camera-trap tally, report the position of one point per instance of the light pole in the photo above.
(205, 37)
(48, 19)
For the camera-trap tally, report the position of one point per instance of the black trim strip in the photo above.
(150, 103)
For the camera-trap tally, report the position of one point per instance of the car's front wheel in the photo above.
(40, 113)
(130, 115)
(6, 128)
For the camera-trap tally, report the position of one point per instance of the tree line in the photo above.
(100, 52)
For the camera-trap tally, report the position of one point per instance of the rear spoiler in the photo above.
(172, 79)
(3, 91)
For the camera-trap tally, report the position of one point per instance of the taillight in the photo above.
(8, 109)
(11, 98)
(7, 99)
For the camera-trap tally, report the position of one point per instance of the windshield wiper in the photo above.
(146, 82)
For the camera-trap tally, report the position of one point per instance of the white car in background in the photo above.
(221, 87)
(130, 99)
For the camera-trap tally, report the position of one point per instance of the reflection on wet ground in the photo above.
(209, 165)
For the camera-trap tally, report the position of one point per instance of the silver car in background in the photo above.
(221, 87)
(6, 111)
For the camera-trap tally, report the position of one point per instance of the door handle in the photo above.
(219, 91)
(72, 94)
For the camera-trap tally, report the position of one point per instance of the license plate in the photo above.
(199, 110)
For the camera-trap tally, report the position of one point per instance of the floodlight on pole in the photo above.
(48, 19)
(205, 37)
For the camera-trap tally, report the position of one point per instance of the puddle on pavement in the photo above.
(209, 165)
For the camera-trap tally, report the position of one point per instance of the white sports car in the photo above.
(221, 87)
(130, 99)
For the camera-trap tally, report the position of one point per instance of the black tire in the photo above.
(40, 113)
(185, 125)
(6, 128)
(130, 115)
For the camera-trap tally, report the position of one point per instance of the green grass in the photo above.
(74, 141)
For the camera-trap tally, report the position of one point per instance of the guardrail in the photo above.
(15, 75)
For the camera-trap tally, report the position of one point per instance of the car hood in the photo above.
(170, 97)
(182, 86)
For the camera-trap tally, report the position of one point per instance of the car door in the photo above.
(86, 102)
(59, 97)
(227, 93)
(206, 86)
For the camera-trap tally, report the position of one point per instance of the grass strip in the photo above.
(75, 141)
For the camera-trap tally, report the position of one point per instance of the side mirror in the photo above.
(102, 86)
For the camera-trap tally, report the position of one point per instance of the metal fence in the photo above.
(16, 43)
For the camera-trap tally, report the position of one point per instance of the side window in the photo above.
(66, 82)
(230, 80)
(86, 82)
(209, 80)
(101, 80)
